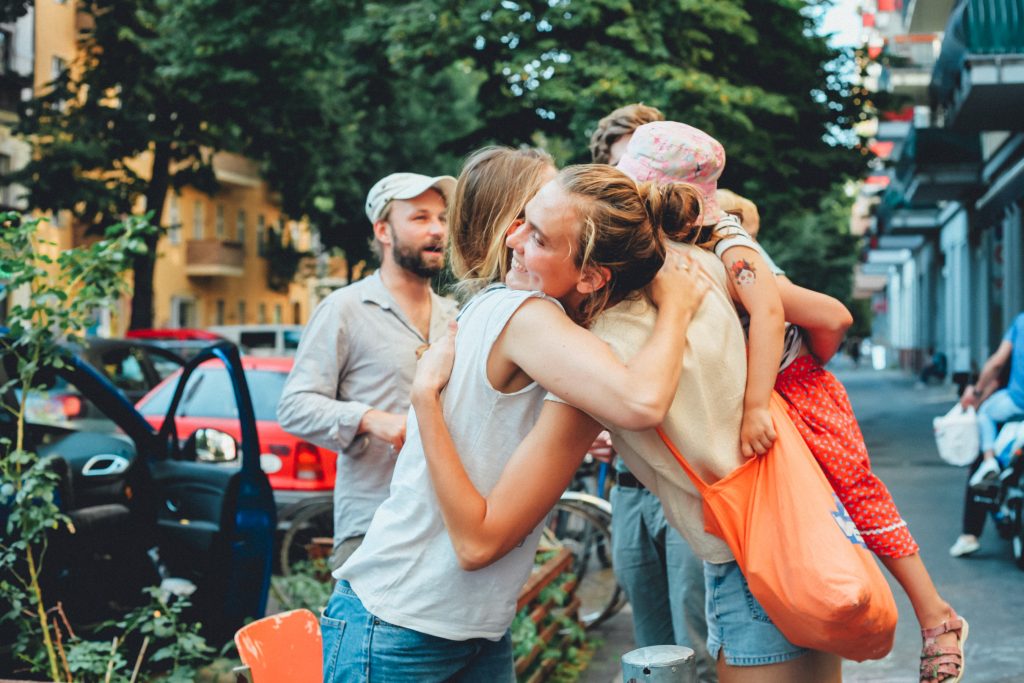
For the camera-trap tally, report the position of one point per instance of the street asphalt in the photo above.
(986, 588)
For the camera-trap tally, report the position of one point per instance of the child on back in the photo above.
(818, 404)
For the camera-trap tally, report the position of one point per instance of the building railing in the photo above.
(977, 27)
(212, 258)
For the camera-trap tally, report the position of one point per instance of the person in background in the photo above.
(349, 388)
(936, 367)
(660, 574)
(995, 406)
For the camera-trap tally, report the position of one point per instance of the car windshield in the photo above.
(209, 394)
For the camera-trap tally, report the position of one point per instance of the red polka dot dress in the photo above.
(820, 408)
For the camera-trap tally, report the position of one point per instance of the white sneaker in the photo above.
(965, 545)
(989, 469)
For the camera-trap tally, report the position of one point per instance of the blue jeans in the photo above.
(360, 648)
(997, 409)
(738, 626)
(663, 579)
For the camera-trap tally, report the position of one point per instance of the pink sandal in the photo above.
(943, 664)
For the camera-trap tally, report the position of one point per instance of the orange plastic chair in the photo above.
(282, 647)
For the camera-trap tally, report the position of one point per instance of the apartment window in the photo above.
(6, 194)
(296, 313)
(218, 314)
(261, 234)
(240, 226)
(197, 220)
(5, 52)
(183, 311)
(241, 312)
(261, 314)
(57, 66)
(278, 314)
(174, 220)
(219, 224)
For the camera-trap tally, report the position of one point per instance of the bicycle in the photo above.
(582, 523)
(307, 525)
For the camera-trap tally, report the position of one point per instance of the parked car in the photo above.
(262, 340)
(185, 342)
(296, 469)
(143, 505)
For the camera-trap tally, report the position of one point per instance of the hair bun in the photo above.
(673, 207)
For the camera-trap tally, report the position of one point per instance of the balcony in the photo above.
(937, 164)
(979, 77)
(896, 216)
(926, 16)
(214, 258)
(908, 60)
(234, 169)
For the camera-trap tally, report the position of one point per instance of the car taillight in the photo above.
(71, 406)
(307, 462)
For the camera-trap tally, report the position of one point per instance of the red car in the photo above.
(296, 468)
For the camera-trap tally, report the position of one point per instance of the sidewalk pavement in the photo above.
(893, 412)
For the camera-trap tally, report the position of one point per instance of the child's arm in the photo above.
(824, 318)
(755, 287)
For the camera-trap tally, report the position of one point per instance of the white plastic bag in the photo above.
(956, 436)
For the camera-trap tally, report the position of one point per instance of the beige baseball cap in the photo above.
(404, 186)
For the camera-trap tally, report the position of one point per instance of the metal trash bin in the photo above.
(659, 664)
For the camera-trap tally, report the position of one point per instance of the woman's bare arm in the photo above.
(483, 529)
(582, 370)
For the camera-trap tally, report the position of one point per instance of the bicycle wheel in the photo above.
(312, 522)
(586, 534)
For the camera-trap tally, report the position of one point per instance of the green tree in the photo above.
(752, 73)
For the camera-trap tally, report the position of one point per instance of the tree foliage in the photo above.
(330, 95)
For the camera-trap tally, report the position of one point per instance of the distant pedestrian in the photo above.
(817, 402)
(349, 388)
(662, 577)
(935, 367)
(995, 407)
(853, 345)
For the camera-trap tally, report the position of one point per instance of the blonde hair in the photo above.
(742, 208)
(492, 192)
(621, 227)
(622, 121)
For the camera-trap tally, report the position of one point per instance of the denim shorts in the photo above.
(738, 625)
(360, 648)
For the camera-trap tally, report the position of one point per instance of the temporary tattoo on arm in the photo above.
(743, 272)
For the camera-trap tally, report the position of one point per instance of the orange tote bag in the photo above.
(802, 555)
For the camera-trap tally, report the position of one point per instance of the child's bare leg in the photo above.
(929, 607)
(813, 667)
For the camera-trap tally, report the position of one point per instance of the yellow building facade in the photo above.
(210, 267)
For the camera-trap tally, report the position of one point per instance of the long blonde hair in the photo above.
(492, 192)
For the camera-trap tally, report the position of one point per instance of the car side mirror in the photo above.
(212, 445)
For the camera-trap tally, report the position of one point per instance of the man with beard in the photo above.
(349, 388)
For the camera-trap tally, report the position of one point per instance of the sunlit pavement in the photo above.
(986, 588)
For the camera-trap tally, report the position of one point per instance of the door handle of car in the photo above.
(105, 464)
